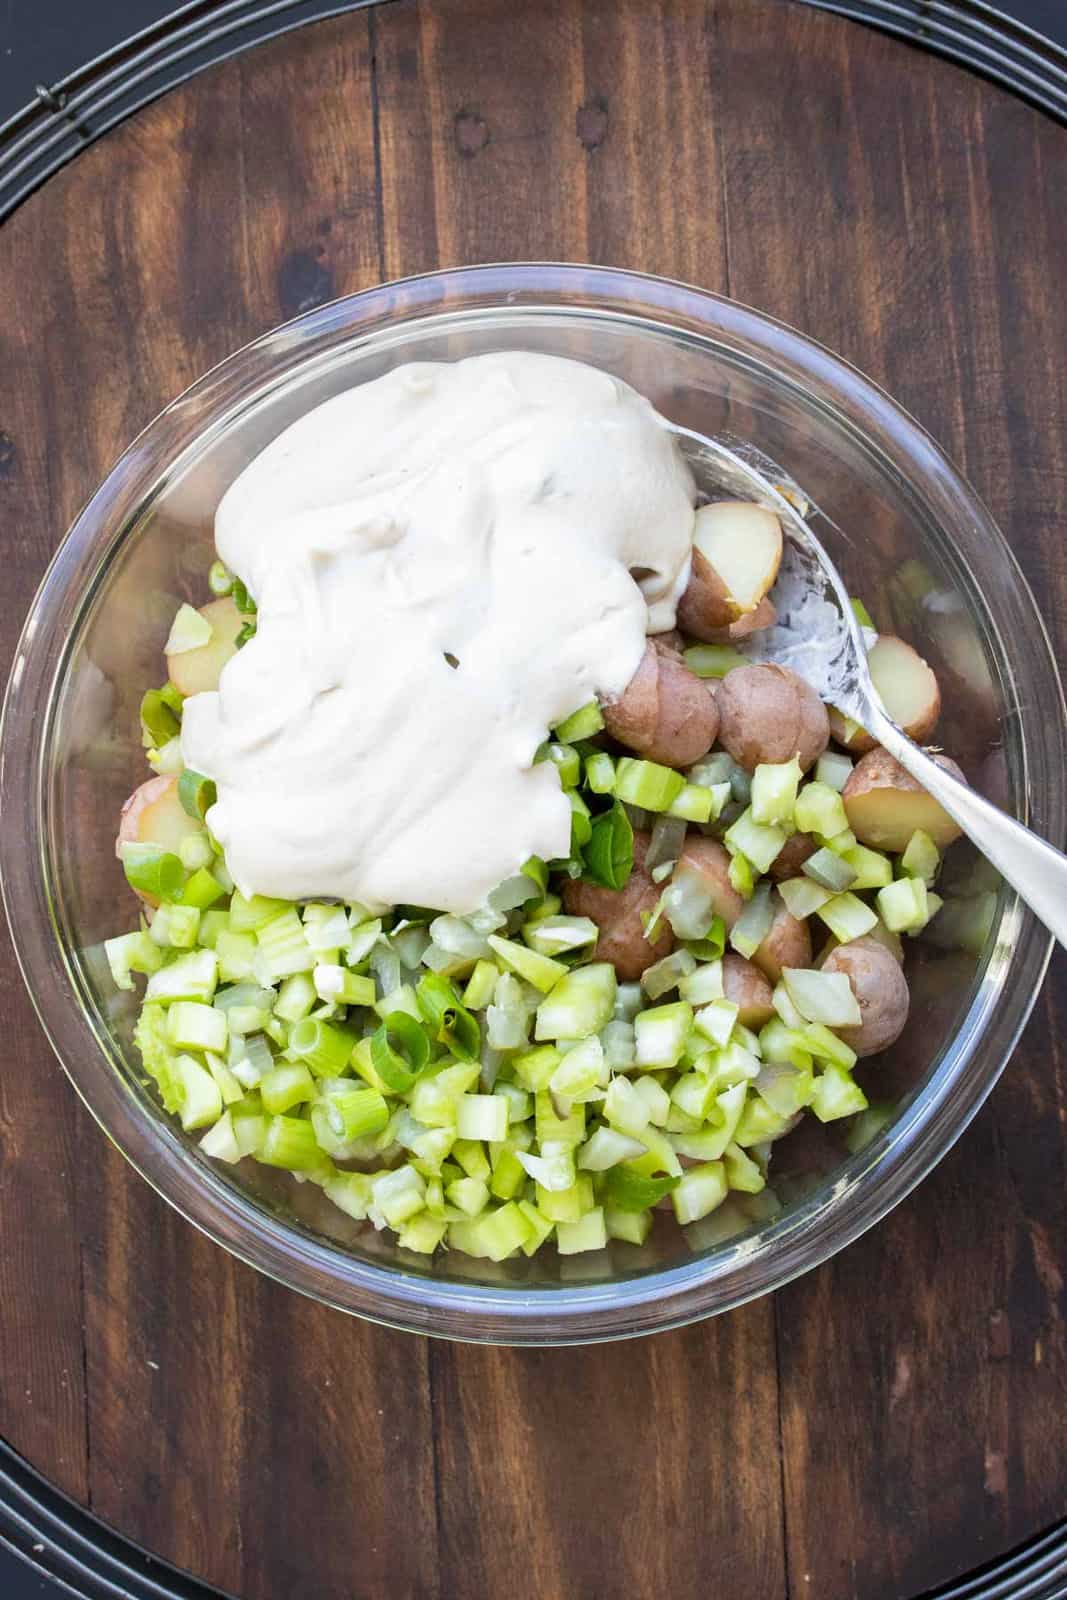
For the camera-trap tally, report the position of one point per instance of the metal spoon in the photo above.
(819, 637)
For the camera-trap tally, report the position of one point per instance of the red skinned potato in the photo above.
(737, 547)
(710, 861)
(787, 944)
(768, 714)
(881, 991)
(153, 814)
(909, 692)
(748, 988)
(617, 913)
(764, 616)
(885, 805)
(194, 671)
(792, 856)
(665, 713)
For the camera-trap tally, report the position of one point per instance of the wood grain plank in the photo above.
(898, 248)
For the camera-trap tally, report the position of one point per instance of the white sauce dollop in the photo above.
(490, 511)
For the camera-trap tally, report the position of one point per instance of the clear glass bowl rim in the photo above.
(871, 1183)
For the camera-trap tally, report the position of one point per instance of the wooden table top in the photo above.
(896, 1416)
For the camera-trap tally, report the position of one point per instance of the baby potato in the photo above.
(787, 944)
(885, 805)
(881, 991)
(665, 713)
(710, 861)
(617, 913)
(764, 616)
(737, 547)
(909, 692)
(768, 714)
(792, 856)
(747, 987)
(153, 814)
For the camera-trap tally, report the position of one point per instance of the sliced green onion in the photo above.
(242, 599)
(167, 760)
(201, 890)
(400, 1051)
(450, 1023)
(158, 718)
(647, 784)
(581, 724)
(196, 793)
(599, 772)
(219, 579)
(863, 616)
(609, 854)
(565, 759)
(152, 870)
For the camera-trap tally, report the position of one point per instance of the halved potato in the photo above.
(885, 805)
(764, 616)
(909, 692)
(749, 989)
(153, 814)
(195, 671)
(737, 548)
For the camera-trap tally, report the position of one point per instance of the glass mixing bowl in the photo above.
(910, 537)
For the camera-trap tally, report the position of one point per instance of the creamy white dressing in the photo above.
(488, 511)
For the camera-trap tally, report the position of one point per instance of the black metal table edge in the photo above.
(57, 1538)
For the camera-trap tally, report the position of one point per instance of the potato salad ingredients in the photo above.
(471, 890)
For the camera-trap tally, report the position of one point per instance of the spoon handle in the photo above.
(1032, 866)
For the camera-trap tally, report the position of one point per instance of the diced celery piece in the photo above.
(836, 1094)
(840, 844)
(716, 1021)
(847, 917)
(589, 1233)
(703, 985)
(759, 1123)
(618, 1040)
(540, 1228)
(660, 1034)
(582, 1073)
(868, 1125)
(833, 770)
(335, 983)
(666, 974)
(825, 997)
(481, 1116)
(480, 985)
(631, 1227)
(581, 724)
(283, 947)
(397, 1195)
(694, 1095)
(249, 1124)
(647, 784)
(495, 1234)
(129, 953)
(694, 803)
(191, 1025)
(552, 1170)
(566, 1205)
(625, 1108)
(817, 1040)
(713, 660)
(288, 1084)
(579, 1005)
(201, 890)
(191, 977)
(219, 1142)
(471, 1156)
(699, 1192)
(607, 1148)
(774, 794)
(422, 1234)
(246, 915)
(237, 955)
(296, 997)
(198, 1096)
(832, 871)
(742, 1173)
(872, 869)
(509, 1176)
(520, 1101)
(903, 905)
(803, 896)
(229, 1086)
(656, 1099)
(819, 810)
(350, 1192)
(757, 842)
(541, 971)
(921, 858)
(469, 1195)
(786, 1089)
(551, 1126)
(534, 1068)
(754, 923)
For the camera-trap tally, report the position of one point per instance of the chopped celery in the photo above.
(713, 660)
(397, 1196)
(606, 1148)
(350, 1192)
(716, 1021)
(759, 1123)
(248, 915)
(553, 935)
(579, 1005)
(581, 724)
(833, 769)
(699, 1192)
(129, 953)
(921, 858)
(819, 810)
(480, 985)
(626, 1109)
(847, 917)
(288, 1084)
(198, 1096)
(588, 1233)
(803, 896)
(495, 1234)
(872, 869)
(825, 997)
(541, 971)
(582, 1072)
(283, 947)
(742, 1173)
(541, 1228)
(904, 905)
(830, 870)
(599, 773)
(422, 1233)
(469, 1195)
(219, 1141)
(481, 1116)
(774, 793)
(191, 977)
(664, 975)
(786, 1089)
(758, 842)
(191, 1025)
(836, 1094)
(647, 784)
(694, 803)
(334, 982)
(660, 1034)
(508, 1176)
(631, 1227)
(656, 1099)
(754, 923)
(568, 1129)
(703, 985)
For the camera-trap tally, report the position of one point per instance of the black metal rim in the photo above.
(61, 1541)
(57, 1538)
(66, 116)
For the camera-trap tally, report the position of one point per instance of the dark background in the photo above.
(41, 41)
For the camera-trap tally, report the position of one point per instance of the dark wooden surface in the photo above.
(900, 1414)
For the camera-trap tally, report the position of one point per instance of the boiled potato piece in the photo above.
(153, 814)
(885, 805)
(617, 913)
(764, 616)
(710, 861)
(737, 548)
(792, 856)
(768, 714)
(748, 988)
(881, 991)
(787, 944)
(195, 671)
(909, 692)
(665, 712)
